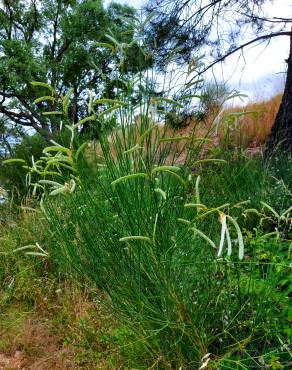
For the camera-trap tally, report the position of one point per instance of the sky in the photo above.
(261, 73)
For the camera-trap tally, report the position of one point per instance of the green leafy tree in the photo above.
(55, 41)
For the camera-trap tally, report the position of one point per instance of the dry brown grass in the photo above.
(249, 130)
(255, 125)
(194, 132)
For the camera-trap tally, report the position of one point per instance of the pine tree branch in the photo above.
(241, 47)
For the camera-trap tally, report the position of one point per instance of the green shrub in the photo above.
(179, 120)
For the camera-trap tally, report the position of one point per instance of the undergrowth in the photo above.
(175, 302)
(50, 320)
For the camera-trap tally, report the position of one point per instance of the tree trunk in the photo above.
(280, 138)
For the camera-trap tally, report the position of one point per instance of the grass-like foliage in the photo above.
(138, 224)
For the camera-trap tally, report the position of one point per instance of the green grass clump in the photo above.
(140, 226)
(140, 229)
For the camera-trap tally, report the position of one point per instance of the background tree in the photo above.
(54, 41)
(218, 29)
